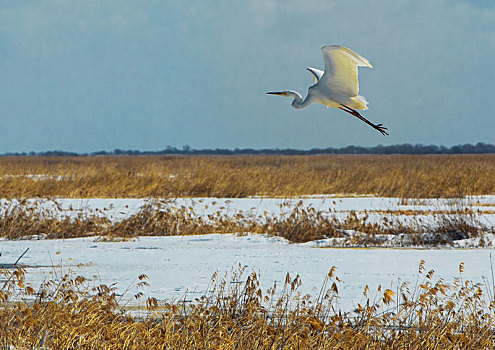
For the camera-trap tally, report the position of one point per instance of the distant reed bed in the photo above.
(407, 176)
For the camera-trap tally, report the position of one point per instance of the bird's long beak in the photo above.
(282, 93)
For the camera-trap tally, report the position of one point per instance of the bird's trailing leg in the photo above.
(355, 113)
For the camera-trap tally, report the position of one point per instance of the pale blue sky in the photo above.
(90, 75)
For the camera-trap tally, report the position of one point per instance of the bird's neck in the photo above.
(298, 102)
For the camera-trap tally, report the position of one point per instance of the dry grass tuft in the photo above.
(20, 219)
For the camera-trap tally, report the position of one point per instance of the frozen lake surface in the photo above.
(182, 266)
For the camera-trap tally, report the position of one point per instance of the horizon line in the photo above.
(406, 148)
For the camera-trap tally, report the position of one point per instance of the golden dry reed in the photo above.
(404, 176)
(70, 313)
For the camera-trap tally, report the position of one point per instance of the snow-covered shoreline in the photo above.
(412, 222)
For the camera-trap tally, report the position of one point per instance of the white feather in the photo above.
(341, 73)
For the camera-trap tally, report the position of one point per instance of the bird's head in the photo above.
(289, 93)
(295, 95)
(297, 103)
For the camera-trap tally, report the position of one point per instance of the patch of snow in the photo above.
(35, 176)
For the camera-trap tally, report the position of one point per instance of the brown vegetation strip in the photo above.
(70, 313)
(21, 219)
(404, 176)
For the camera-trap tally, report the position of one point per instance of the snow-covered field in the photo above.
(181, 266)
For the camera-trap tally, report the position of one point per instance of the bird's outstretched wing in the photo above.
(316, 73)
(341, 73)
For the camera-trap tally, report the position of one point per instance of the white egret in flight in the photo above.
(337, 86)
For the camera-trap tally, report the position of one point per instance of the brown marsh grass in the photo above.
(46, 219)
(72, 313)
(406, 176)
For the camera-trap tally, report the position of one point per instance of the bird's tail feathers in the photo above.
(359, 102)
